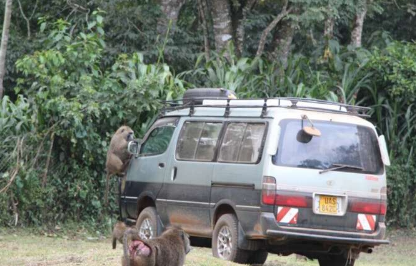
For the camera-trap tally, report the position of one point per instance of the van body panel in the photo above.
(335, 182)
(144, 175)
(187, 189)
(284, 233)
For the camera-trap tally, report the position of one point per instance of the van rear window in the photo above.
(340, 143)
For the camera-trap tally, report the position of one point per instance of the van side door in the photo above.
(188, 181)
(238, 172)
(147, 171)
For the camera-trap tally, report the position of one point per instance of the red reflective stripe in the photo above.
(282, 213)
(294, 219)
(371, 221)
(359, 225)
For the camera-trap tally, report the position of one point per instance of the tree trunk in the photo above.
(239, 19)
(4, 40)
(282, 40)
(223, 29)
(170, 9)
(269, 28)
(357, 31)
(203, 15)
(329, 28)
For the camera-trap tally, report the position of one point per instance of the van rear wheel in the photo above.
(338, 260)
(258, 257)
(147, 223)
(224, 240)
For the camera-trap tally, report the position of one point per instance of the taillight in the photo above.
(369, 207)
(291, 201)
(268, 193)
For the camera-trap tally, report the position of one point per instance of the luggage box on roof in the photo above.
(196, 96)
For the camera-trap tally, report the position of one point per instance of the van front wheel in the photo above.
(224, 240)
(147, 223)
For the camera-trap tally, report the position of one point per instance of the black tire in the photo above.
(147, 223)
(227, 226)
(258, 257)
(338, 260)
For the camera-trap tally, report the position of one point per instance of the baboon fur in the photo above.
(117, 155)
(118, 233)
(169, 249)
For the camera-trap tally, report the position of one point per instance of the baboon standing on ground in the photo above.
(118, 233)
(169, 249)
(117, 155)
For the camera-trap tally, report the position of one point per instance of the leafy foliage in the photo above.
(76, 104)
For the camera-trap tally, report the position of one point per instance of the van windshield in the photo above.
(345, 144)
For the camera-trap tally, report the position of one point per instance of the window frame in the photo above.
(159, 124)
(263, 141)
(214, 159)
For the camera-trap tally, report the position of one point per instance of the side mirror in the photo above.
(312, 131)
(383, 150)
(133, 147)
(308, 131)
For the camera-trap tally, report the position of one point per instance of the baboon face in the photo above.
(139, 248)
(126, 132)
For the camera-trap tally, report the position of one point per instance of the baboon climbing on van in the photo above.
(117, 156)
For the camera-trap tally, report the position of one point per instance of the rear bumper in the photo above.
(273, 230)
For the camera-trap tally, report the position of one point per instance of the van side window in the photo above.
(242, 143)
(157, 141)
(198, 140)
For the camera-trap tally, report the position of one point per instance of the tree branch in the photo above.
(48, 160)
(27, 19)
(17, 168)
(271, 26)
(76, 8)
(201, 10)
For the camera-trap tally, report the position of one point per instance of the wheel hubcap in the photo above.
(224, 242)
(146, 230)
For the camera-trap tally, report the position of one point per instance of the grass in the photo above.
(25, 248)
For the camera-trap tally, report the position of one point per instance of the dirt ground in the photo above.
(22, 248)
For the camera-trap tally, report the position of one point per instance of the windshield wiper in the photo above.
(337, 166)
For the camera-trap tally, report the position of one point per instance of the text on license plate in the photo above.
(328, 205)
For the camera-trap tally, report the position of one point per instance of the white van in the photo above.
(281, 175)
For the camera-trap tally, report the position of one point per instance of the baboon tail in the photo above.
(114, 243)
(107, 187)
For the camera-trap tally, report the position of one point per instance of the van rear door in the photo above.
(334, 181)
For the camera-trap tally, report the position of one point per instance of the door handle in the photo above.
(173, 174)
(161, 165)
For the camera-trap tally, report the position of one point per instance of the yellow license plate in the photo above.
(328, 204)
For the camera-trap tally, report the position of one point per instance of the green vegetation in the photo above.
(76, 72)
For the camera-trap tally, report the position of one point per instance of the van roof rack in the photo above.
(264, 104)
